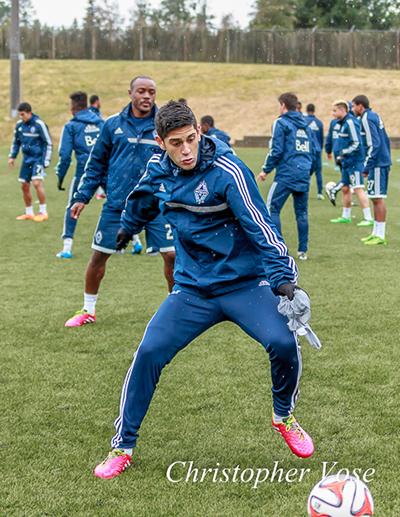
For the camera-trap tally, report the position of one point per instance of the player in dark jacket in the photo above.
(292, 155)
(231, 265)
(78, 135)
(31, 135)
(317, 129)
(207, 128)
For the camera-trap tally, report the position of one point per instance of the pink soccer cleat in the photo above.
(114, 464)
(80, 318)
(41, 217)
(298, 440)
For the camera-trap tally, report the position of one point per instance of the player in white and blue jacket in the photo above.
(118, 161)
(79, 136)
(317, 129)
(350, 157)
(376, 165)
(31, 135)
(231, 264)
(292, 154)
(207, 128)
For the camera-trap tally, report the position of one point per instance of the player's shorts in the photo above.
(352, 176)
(159, 237)
(30, 172)
(378, 179)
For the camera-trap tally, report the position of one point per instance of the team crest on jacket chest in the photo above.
(201, 192)
(33, 129)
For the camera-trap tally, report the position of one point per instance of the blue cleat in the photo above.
(137, 248)
(64, 254)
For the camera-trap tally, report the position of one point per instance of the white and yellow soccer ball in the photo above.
(340, 496)
(329, 186)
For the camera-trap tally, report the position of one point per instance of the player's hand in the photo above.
(76, 209)
(329, 156)
(11, 163)
(288, 289)
(59, 184)
(262, 176)
(122, 239)
(339, 160)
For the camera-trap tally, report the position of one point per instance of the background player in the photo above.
(78, 135)
(32, 135)
(376, 165)
(118, 160)
(351, 160)
(207, 128)
(95, 105)
(292, 154)
(317, 129)
(214, 282)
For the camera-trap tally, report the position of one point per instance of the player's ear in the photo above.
(160, 142)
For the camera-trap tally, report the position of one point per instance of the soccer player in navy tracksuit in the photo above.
(207, 128)
(31, 135)
(317, 129)
(292, 154)
(230, 266)
(351, 159)
(118, 160)
(376, 165)
(78, 135)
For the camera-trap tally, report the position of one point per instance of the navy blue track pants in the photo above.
(184, 316)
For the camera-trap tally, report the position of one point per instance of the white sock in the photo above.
(380, 230)
(90, 303)
(42, 209)
(135, 239)
(29, 210)
(367, 213)
(374, 231)
(127, 450)
(67, 244)
(279, 419)
(346, 213)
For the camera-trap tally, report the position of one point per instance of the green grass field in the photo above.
(60, 388)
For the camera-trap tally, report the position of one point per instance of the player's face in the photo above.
(143, 95)
(338, 112)
(25, 115)
(182, 146)
(356, 109)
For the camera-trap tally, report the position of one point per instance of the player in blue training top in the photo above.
(350, 157)
(78, 135)
(376, 165)
(118, 161)
(95, 105)
(207, 128)
(31, 135)
(317, 129)
(292, 154)
(230, 266)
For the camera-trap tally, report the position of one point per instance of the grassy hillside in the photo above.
(242, 98)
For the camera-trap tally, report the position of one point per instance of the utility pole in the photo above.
(15, 87)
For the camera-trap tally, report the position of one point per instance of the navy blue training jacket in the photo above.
(317, 129)
(223, 234)
(332, 138)
(118, 159)
(218, 133)
(79, 135)
(34, 139)
(349, 141)
(375, 141)
(292, 151)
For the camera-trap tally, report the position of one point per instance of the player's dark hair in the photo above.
(207, 119)
(289, 99)
(173, 115)
(363, 100)
(24, 106)
(139, 77)
(79, 99)
(310, 108)
(182, 100)
(93, 99)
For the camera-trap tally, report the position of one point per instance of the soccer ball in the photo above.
(340, 496)
(329, 186)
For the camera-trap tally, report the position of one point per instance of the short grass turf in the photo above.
(59, 387)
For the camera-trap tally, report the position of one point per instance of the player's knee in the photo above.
(283, 346)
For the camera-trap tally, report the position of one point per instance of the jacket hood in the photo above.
(296, 118)
(87, 116)
(34, 118)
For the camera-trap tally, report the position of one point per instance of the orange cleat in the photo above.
(25, 217)
(41, 217)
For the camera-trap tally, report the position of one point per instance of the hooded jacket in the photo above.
(292, 151)
(218, 133)
(34, 139)
(223, 234)
(79, 135)
(317, 129)
(118, 159)
(332, 138)
(349, 142)
(375, 141)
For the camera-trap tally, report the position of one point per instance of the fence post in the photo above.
(93, 43)
(53, 44)
(141, 43)
(352, 47)
(273, 46)
(228, 45)
(184, 47)
(313, 46)
(398, 49)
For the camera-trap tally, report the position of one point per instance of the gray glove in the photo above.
(298, 313)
